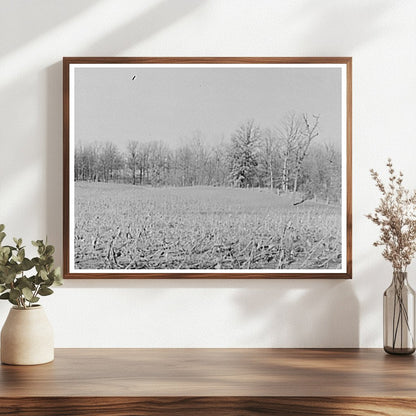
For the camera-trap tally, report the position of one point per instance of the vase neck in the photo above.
(400, 276)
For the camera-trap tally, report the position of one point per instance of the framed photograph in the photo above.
(207, 168)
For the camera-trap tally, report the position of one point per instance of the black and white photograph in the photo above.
(207, 168)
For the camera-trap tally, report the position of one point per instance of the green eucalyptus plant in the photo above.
(16, 285)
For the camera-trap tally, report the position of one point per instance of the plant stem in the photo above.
(36, 291)
(394, 316)
(401, 314)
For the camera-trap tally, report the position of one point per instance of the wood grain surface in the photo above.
(212, 381)
(208, 406)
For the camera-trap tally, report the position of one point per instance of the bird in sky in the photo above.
(134, 77)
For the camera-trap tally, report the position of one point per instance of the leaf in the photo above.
(3, 258)
(11, 248)
(45, 291)
(21, 255)
(58, 281)
(24, 282)
(2, 288)
(56, 272)
(2, 227)
(26, 264)
(48, 260)
(5, 250)
(49, 250)
(9, 277)
(2, 236)
(17, 241)
(13, 302)
(48, 282)
(7, 296)
(37, 243)
(38, 280)
(43, 274)
(15, 294)
(27, 293)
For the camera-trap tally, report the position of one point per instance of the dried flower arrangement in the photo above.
(396, 217)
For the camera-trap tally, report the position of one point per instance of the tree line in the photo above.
(287, 158)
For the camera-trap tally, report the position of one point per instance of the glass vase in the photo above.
(399, 316)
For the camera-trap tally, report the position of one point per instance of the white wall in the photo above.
(380, 35)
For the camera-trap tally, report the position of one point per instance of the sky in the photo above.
(171, 104)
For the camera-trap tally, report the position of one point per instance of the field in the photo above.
(121, 226)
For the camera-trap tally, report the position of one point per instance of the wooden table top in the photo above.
(214, 372)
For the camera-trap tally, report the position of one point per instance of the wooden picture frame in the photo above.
(274, 202)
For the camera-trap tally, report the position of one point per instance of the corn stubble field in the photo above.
(120, 226)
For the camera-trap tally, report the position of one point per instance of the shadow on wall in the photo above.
(261, 313)
(34, 109)
(37, 17)
(158, 17)
(375, 276)
(301, 313)
(340, 34)
(33, 102)
(54, 134)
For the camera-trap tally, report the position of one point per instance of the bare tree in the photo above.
(321, 173)
(158, 162)
(333, 182)
(288, 136)
(218, 170)
(133, 158)
(280, 158)
(268, 157)
(183, 159)
(110, 161)
(86, 162)
(295, 138)
(200, 155)
(307, 133)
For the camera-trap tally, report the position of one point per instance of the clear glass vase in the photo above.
(399, 316)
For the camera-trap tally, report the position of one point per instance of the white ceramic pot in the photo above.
(27, 337)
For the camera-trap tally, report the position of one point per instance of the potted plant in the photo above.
(27, 336)
(396, 217)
